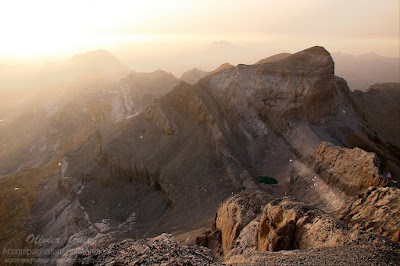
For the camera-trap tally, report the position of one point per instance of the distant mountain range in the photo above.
(37, 84)
(363, 71)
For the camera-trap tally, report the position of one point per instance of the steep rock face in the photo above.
(380, 110)
(236, 213)
(349, 170)
(374, 210)
(299, 82)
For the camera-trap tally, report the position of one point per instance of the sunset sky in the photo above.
(136, 30)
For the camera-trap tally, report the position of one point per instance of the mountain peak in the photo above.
(273, 58)
(156, 76)
(304, 80)
(317, 50)
(314, 59)
(97, 61)
(222, 67)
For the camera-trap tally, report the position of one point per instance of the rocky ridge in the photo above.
(273, 58)
(194, 75)
(217, 136)
(168, 167)
(379, 108)
(287, 224)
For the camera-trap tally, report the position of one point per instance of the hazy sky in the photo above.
(140, 31)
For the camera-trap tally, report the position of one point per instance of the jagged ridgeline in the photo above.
(152, 154)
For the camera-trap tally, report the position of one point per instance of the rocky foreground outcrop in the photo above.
(253, 235)
(253, 228)
(375, 210)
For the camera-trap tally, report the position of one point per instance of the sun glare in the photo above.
(32, 29)
(45, 28)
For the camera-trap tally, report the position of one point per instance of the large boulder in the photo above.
(236, 213)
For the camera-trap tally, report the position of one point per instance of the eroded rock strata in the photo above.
(126, 164)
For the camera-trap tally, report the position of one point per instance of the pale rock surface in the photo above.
(377, 210)
(350, 170)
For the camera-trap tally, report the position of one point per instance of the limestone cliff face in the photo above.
(291, 87)
(349, 170)
(380, 111)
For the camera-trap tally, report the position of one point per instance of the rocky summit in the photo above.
(276, 162)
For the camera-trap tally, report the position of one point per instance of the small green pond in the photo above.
(267, 180)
